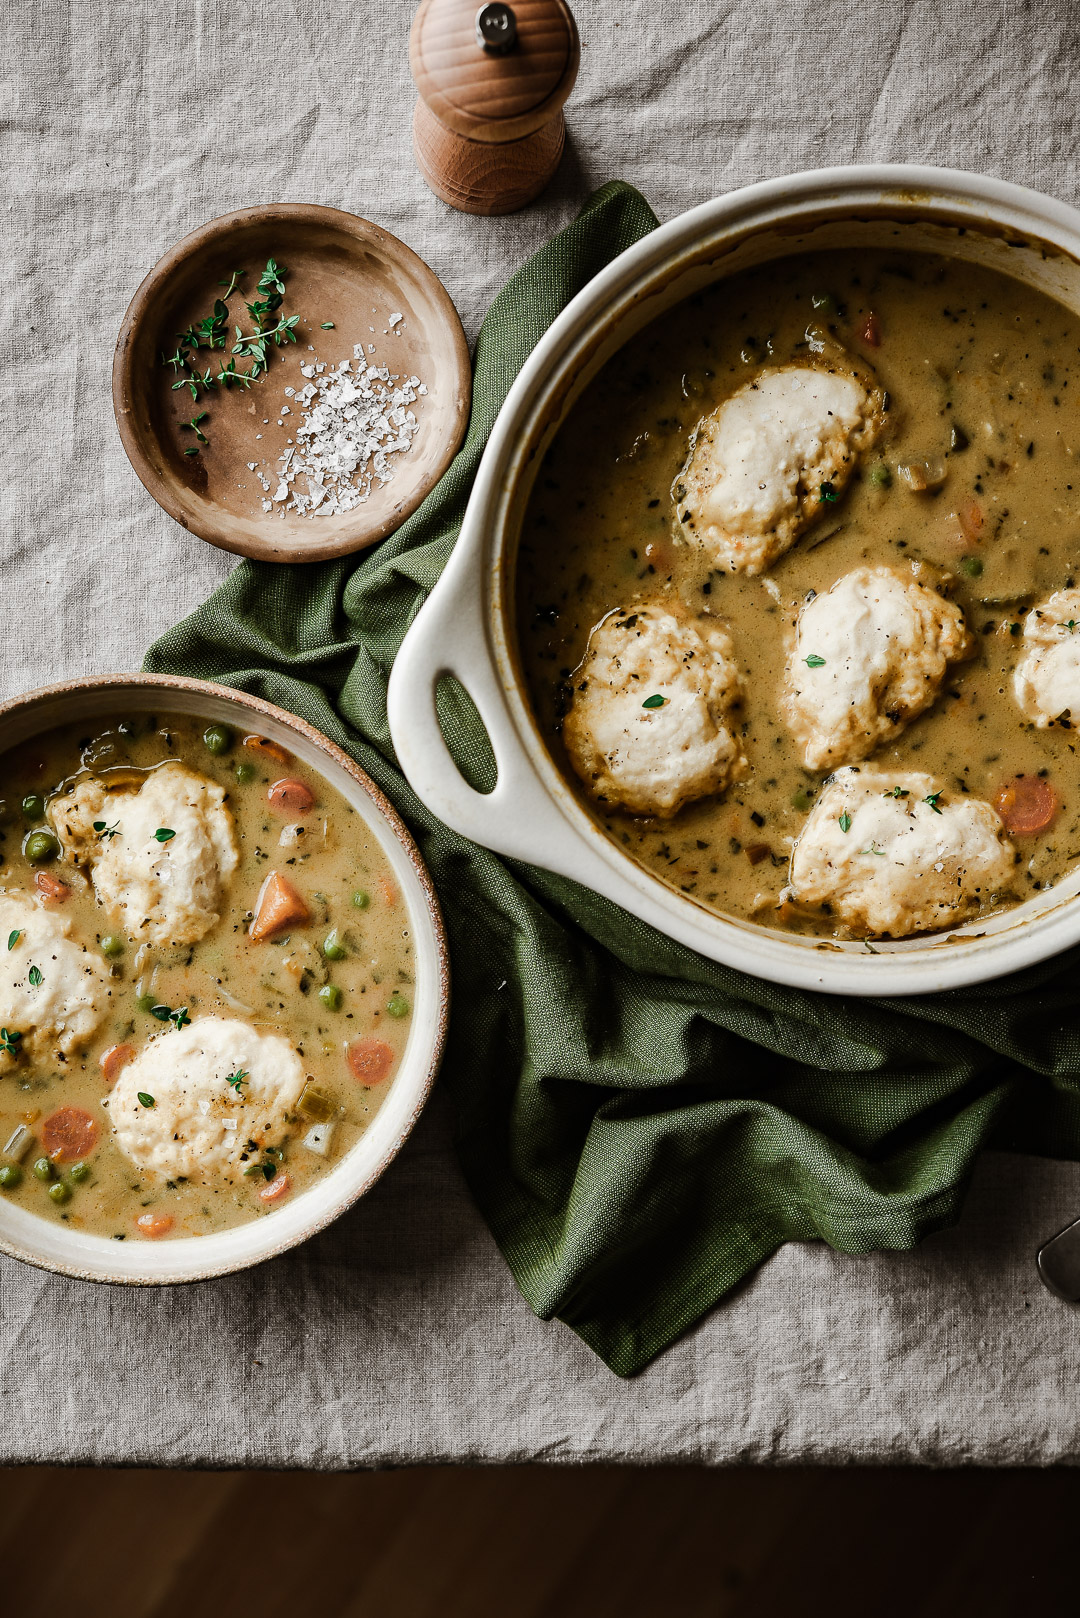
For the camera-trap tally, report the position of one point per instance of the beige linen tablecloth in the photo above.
(397, 1335)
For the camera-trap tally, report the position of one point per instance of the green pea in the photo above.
(43, 1169)
(880, 476)
(10, 1175)
(971, 565)
(333, 948)
(39, 847)
(59, 1192)
(361, 899)
(398, 1006)
(33, 806)
(112, 944)
(79, 1172)
(330, 995)
(217, 739)
(244, 773)
(801, 799)
(146, 1002)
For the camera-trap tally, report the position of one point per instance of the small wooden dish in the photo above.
(340, 269)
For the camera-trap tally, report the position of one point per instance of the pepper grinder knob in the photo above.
(488, 131)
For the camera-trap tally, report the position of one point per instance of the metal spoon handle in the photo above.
(1058, 1263)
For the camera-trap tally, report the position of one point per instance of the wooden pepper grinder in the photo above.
(488, 131)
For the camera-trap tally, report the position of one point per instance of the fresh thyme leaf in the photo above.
(37, 977)
(932, 799)
(162, 1013)
(827, 494)
(9, 1041)
(896, 792)
(212, 332)
(873, 849)
(236, 1079)
(164, 834)
(105, 829)
(180, 1019)
(272, 278)
(228, 374)
(845, 821)
(13, 938)
(655, 701)
(144, 1099)
(194, 451)
(814, 661)
(328, 325)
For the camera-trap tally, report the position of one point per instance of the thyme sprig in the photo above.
(212, 332)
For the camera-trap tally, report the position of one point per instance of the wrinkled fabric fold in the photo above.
(639, 1126)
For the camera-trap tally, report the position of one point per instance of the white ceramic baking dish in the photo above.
(57, 1246)
(466, 629)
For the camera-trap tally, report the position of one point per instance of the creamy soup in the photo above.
(206, 977)
(958, 475)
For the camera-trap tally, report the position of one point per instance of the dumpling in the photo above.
(771, 459)
(894, 852)
(1046, 681)
(868, 657)
(221, 1093)
(652, 719)
(160, 856)
(54, 993)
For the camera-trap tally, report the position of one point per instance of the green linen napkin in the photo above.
(639, 1126)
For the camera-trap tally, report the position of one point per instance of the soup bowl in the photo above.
(467, 627)
(56, 1246)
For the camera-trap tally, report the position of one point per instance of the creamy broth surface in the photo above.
(337, 987)
(980, 374)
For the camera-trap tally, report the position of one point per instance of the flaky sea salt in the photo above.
(354, 417)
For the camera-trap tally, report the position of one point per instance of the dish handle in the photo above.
(518, 818)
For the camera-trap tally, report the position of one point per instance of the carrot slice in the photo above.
(971, 519)
(871, 332)
(291, 797)
(52, 890)
(112, 1060)
(259, 744)
(69, 1133)
(279, 1187)
(387, 889)
(279, 906)
(1027, 804)
(370, 1060)
(154, 1225)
